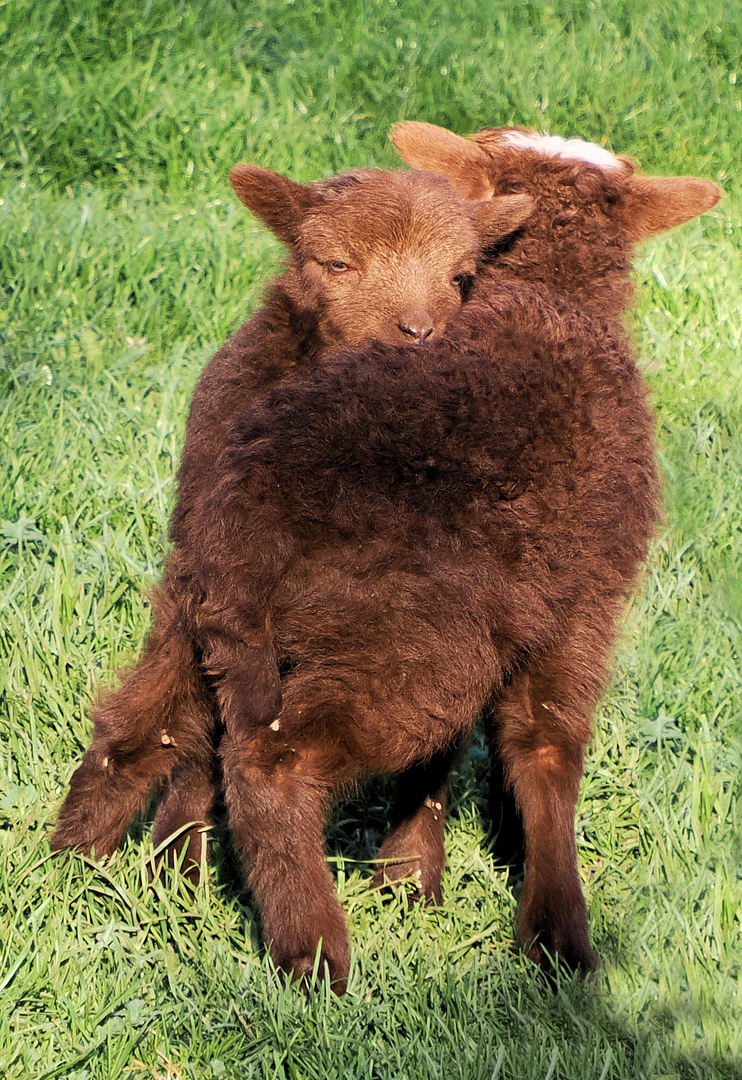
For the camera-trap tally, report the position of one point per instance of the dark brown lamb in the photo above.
(392, 541)
(408, 539)
(592, 210)
(374, 255)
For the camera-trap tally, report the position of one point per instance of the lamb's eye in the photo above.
(335, 266)
(463, 283)
(509, 185)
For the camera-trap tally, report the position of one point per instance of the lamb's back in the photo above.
(525, 431)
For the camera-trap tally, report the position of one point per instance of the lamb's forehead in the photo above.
(393, 190)
(556, 146)
(377, 209)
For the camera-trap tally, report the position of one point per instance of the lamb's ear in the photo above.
(278, 202)
(434, 149)
(495, 218)
(656, 203)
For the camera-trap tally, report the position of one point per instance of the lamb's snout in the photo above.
(418, 326)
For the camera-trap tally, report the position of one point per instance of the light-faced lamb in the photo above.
(374, 255)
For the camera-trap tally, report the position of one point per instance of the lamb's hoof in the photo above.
(426, 882)
(553, 952)
(312, 944)
(300, 969)
(187, 853)
(189, 871)
(63, 841)
(412, 855)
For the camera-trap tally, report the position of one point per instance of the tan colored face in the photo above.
(387, 258)
(380, 255)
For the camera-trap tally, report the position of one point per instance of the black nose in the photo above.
(418, 331)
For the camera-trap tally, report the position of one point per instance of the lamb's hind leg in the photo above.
(160, 716)
(242, 670)
(506, 823)
(415, 849)
(543, 724)
(185, 814)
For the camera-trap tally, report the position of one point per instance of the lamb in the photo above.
(578, 243)
(433, 533)
(373, 255)
(432, 536)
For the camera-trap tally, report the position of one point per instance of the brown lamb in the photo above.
(431, 534)
(374, 255)
(579, 243)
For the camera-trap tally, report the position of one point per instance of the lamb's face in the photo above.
(591, 207)
(386, 256)
(378, 255)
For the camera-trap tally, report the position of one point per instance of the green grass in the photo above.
(125, 262)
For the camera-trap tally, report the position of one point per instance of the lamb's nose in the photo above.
(418, 330)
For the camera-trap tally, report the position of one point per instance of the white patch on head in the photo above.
(556, 146)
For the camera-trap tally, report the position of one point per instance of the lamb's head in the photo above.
(375, 254)
(592, 207)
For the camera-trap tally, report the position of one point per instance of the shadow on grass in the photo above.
(529, 1025)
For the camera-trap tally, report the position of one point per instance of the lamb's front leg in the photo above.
(277, 793)
(415, 848)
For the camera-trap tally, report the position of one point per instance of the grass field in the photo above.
(124, 262)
